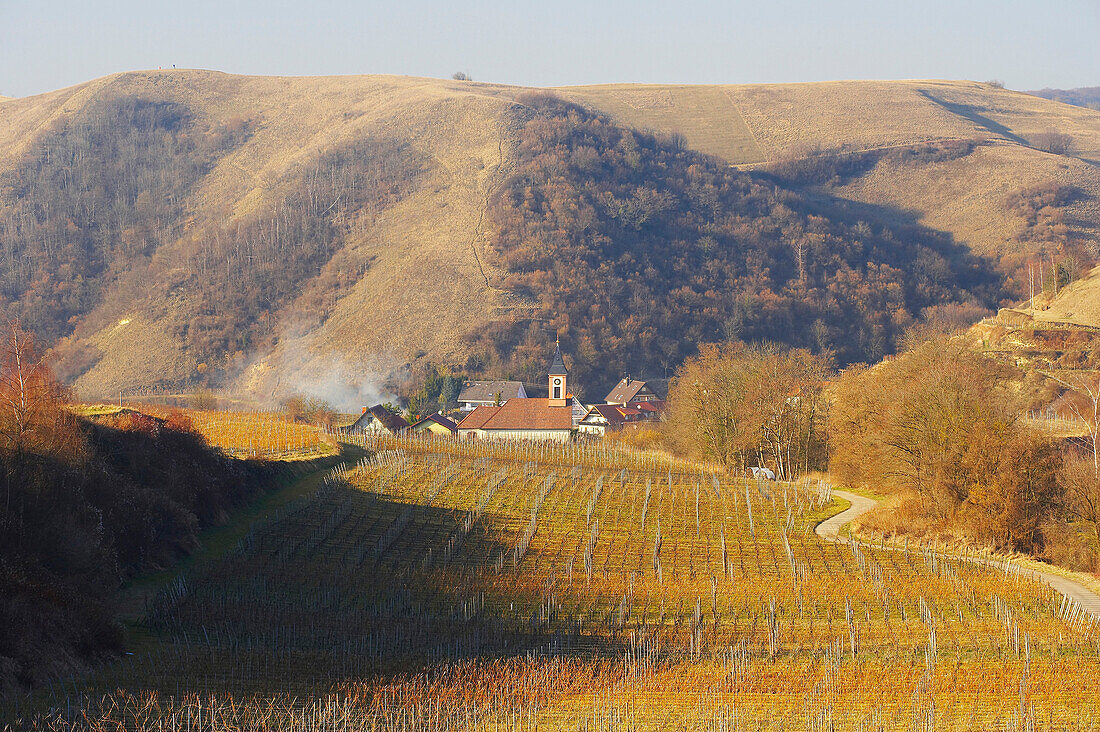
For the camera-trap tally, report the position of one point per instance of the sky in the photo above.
(47, 45)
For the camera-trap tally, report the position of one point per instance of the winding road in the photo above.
(829, 529)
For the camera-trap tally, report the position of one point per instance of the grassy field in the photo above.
(1078, 303)
(439, 585)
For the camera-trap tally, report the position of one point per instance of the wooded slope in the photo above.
(279, 234)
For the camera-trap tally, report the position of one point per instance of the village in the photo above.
(502, 410)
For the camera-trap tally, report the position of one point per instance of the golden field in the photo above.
(442, 585)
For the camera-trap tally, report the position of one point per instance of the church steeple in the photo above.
(558, 379)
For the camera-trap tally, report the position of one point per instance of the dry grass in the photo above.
(748, 124)
(134, 353)
(424, 284)
(1077, 303)
(706, 116)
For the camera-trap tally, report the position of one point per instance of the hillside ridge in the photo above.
(411, 279)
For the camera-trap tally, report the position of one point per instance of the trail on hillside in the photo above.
(829, 530)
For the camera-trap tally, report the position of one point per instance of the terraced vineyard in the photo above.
(443, 586)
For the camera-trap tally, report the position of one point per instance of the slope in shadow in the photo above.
(970, 113)
(349, 583)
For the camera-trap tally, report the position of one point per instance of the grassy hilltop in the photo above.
(296, 230)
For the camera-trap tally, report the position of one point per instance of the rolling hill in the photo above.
(325, 233)
(1085, 96)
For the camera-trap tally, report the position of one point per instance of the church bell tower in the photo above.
(558, 380)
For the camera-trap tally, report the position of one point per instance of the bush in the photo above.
(940, 426)
(1052, 141)
(204, 400)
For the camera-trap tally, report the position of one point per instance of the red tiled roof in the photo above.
(648, 407)
(476, 419)
(528, 414)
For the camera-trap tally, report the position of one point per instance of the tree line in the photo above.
(85, 506)
(940, 427)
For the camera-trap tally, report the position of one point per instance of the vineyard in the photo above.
(440, 585)
(252, 434)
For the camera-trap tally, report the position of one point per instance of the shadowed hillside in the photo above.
(273, 234)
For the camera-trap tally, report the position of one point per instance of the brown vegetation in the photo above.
(635, 250)
(939, 425)
(745, 406)
(249, 144)
(1053, 141)
(86, 505)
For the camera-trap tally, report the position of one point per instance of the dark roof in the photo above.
(392, 422)
(557, 368)
(438, 419)
(612, 413)
(476, 419)
(527, 414)
(625, 391)
(486, 391)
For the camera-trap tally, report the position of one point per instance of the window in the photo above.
(557, 392)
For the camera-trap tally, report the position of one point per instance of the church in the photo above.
(553, 418)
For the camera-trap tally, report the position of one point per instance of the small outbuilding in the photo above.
(476, 394)
(377, 420)
(437, 424)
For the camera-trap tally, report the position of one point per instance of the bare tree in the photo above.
(1084, 403)
(30, 397)
(1052, 141)
(33, 418)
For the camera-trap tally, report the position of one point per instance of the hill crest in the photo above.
(410, 280)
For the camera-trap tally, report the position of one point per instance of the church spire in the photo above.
(558, 379)
(557, 368)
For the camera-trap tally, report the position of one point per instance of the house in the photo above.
(436, 424)
(473, 424)
(631, 390)
(476, 394)
(377, 420)
(604, 418)
(522, 418)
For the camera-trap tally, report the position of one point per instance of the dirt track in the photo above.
(829, 529)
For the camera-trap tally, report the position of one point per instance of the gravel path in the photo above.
(829, 529)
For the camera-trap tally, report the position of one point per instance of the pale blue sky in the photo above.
(46, 45)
